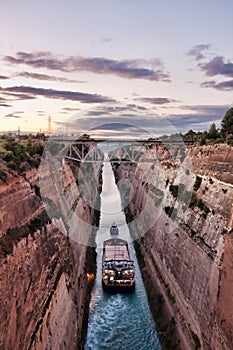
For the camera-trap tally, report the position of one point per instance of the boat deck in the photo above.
(116, 253)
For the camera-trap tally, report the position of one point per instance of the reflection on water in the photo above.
(110, 208)
(118, 322)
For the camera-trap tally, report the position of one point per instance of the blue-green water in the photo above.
(118, 322)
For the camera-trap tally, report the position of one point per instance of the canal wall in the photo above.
(46, 277)
(185, 254)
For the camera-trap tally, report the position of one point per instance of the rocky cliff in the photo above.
(185, 250)
(46, 276)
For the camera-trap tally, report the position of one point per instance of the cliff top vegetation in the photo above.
(20, 155)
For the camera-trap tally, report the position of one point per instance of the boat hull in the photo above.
(118, 289)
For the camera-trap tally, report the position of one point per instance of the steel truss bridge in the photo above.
(118, 150)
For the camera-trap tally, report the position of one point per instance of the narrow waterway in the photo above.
(118, 322)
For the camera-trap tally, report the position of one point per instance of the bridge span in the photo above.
(90, 150)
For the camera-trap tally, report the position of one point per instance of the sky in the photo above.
(163, 66)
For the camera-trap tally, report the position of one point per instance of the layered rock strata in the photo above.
(180, 209)
(46, 276)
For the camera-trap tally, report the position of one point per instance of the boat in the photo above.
(118, 272)
(114, 229)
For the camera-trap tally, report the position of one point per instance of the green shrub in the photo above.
(171, 212)
(211, 181)
(36, 148)
(34, 162)
(168, 210)
(8, 156)
(11, 165)
(197, 183)
(203, 141)
(19, 153)
(193, 200)
(196, 340)
(174, 190)
(3, 176)
(37, 190)
(220, 140)
(200, 204)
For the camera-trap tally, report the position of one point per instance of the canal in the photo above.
(118, 322)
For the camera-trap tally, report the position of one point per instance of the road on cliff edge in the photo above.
(118, 322)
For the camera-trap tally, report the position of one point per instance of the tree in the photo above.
(203, 138)
(190, 135)
(213, 132)
(227, 123)
(8, 156)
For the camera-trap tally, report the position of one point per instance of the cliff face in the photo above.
(20, 208)
(45, 285)
(216, 160)
(186, 255)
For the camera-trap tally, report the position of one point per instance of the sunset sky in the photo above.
(75, 60)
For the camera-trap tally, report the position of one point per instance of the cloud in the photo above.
(114, 126)
(33, 92)
(4, 77)
(222, 86)
(123, 126)
(5, 105)
(217, 66)
(19, 112)
(198, 117)
(4, 102)
(198, 51)
(137, 107)
(11, 96)
(211, 110)
(38, 76)
(12, 115)
(70, 109)
(185, 122)
(155, 100)
(41, 113)
(152, 70)
(118, 115)
(118, 122)
(115, 111)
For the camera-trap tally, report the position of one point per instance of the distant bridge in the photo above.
(118, 150)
